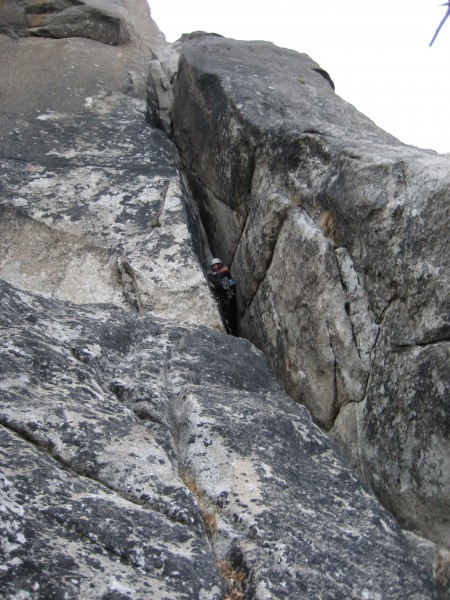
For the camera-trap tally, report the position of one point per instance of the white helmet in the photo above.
(216, 261)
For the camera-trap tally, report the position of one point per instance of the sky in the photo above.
(377, 52)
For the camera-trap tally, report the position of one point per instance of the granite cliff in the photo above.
(338, 235)
(147, 454)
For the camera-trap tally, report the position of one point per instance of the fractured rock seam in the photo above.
(47, 450)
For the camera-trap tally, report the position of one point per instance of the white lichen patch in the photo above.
(67, 154)
(51, 116)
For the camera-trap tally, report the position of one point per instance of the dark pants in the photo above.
(227, 305)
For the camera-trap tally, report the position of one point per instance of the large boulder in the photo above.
(338, 237)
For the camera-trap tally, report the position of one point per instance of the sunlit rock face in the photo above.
(144, 453)
(93, 205)
(338, 236)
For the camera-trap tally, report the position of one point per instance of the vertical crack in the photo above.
(129, 282)
(364, 330)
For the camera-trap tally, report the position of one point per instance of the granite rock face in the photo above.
(139, 455)
(338, 236)
(95, 187)
(144, 453)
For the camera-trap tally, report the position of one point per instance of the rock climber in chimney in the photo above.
(223, 287)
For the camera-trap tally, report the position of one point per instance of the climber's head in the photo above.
(216, 264)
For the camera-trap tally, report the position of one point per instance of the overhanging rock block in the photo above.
(339, 235)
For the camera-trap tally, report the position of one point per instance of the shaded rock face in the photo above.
(146, 454)
(338, 237)
(103, 21)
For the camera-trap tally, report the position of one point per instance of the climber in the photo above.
(223, 287)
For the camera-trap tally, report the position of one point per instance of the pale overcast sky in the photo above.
(377, 52)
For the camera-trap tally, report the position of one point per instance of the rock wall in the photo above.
(97, 190)
(338, 237)
(148, 458)
(146, 454)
